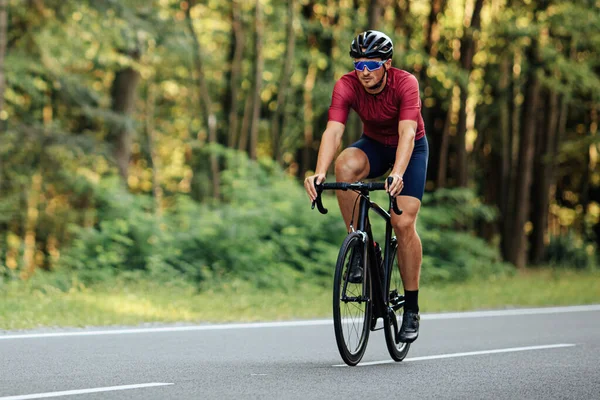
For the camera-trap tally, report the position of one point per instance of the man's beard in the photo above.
(378, 84)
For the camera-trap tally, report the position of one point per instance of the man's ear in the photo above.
(388, 64)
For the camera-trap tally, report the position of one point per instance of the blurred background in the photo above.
(167, 139)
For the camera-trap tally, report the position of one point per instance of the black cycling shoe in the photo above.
(355, 273)
(409, 331)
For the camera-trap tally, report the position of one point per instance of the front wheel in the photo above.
(351, 302)
(395, 304)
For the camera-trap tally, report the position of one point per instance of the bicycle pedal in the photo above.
(397, 302)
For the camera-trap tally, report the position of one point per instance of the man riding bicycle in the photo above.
(388, 103)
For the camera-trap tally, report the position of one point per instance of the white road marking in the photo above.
(467, 354)
(286, 324)
(512, 312)
(83, 391)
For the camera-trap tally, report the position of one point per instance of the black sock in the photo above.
(411, 298)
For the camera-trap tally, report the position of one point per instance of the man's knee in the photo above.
(352, 164)
(405, 224)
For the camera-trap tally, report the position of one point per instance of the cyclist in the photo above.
(388, 103)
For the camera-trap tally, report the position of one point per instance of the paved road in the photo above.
(527, 354)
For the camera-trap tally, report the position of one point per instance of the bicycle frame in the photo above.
(380, 288)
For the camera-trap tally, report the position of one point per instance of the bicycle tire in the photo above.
(346, 331)
(398, 351)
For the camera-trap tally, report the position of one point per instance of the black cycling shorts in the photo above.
(382, 159)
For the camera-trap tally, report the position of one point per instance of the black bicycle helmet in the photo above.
(372, 44)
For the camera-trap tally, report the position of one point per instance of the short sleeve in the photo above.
(341, 100)
(410, 101)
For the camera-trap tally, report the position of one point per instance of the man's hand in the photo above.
(309, 185)
(397, 185)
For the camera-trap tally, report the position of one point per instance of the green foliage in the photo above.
(570, 251)
(264, 233)
(451, 249)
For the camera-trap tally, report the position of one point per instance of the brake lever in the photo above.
(393, 204)
(318, 200)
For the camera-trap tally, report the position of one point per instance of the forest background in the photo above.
(167, 140)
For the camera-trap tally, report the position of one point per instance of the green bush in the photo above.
(262, 231)
(452, 251)
(569, 251)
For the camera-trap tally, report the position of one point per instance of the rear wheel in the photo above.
(395, 304)
(351, 303)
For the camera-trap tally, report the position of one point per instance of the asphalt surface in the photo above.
(531, 354)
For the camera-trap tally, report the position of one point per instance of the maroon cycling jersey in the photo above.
(380, 113)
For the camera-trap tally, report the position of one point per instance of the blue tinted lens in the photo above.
(371, 65)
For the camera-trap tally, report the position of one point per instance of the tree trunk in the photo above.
(514, 114)
(432, 32)
(435, 118)
(467, 52)
(584, 200)
(504, 98)
(3, 114)
(309, 84)
(402, 20)
(3, 31)
(152, 148)
(517, 253)
(544, 165)
(236, 71)
(462, 177)
(33, 199)
(354, 125)
(286, 75)
(443, 149)
(257, 80)
(205, 100)
(374, 13)
(123, 102)
(245, 131)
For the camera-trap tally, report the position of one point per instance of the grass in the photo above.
(25, 305)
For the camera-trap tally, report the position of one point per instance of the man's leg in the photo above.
(410, 251)
(410, 255)
(352, 165)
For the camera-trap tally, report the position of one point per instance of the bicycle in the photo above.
(358, 306)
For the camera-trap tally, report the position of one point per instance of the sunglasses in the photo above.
(371, 65)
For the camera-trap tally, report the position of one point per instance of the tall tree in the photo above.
(153, 146)
(236, 70)
(205, 100)
(286, 75)
(517, 251)
(258, 72)
(432, 33)
(123, 94)
(437, 123)
(402, 23)
(467, 52)
(505, 99)
(3, 31)
(375, 13)
(543, 166)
